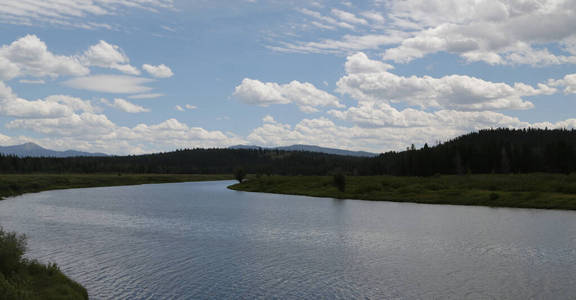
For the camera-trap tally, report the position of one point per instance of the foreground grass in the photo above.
(17, 184)
(548, 191)
(25, 279)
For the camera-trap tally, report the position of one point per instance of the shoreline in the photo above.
(532, 191)
(12, 185)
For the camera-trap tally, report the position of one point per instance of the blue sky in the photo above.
(140, 76)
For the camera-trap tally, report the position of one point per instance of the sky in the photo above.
(141, 76)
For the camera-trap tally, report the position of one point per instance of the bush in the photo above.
(239, 174)
(12, 247)
(340, 181)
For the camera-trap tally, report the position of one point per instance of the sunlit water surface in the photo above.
(203, 241)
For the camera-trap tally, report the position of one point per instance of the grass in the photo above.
(26, 279)
(546, 191)
(17, 184)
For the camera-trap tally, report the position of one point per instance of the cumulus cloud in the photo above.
(453, 91)
(360, 63)
(493, 31)
(13, 106)
(568, 83)
(125, 106)
(29, 56)
(160, 71)
(74, 103)
(116, 84)
(305, 95)
(106, 55)
(84, 125)
(378, 115)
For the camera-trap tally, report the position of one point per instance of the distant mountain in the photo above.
(34, 150)
(310, 148)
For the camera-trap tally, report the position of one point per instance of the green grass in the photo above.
(547, 191)
(25, 279)
(17, 184)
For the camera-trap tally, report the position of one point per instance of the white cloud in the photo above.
(96, 133)
(185, 107)
(505, 32)
(492, 31)
(443, 126)
(146, 96)
(13, 106)
(347, 44)
(360, 63)
(568, 82)
(125, 106)
(160, 71)
(29, 56)
(325, 22)
(268, 119)
(28, 81)
(348, 17)
(106, 55)
(81, 126)
(305, 95)
(72, 13)
(117, 84)
(454, 91)
(374, 16)
(380, 115)
(74, 103)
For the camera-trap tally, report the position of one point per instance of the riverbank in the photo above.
(544, 191)
(22, 278)
(18, 184)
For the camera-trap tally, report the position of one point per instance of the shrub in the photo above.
(12, 247)
(239, 174)
(340, 181)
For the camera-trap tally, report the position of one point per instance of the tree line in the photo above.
(485, 151)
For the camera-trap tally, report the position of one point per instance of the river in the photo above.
(203, 241)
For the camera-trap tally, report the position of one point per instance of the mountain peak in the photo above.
(34, 150)
(30, 146)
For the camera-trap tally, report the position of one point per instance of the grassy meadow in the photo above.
(17, 184)
(546, 191)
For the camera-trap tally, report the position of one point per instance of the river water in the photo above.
(203, 241)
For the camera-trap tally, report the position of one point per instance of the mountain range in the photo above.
(34, 150)
(310, 148)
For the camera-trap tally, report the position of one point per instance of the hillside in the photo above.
(34, 150)
(310, 148)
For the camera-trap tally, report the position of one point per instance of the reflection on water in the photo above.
(200, 240)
